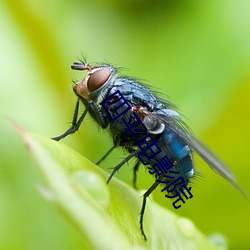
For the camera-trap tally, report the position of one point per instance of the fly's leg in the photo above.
(135, 169)
(105, 155)
(137, 164)
(75, 124)
(122, 163)
(100, 117)
(145, 196)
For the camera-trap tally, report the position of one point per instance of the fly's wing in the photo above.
(175, 124)
(212, 160)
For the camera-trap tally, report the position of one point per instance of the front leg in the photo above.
(98, 115)
(75, 124)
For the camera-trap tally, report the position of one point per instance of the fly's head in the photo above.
(95, 80)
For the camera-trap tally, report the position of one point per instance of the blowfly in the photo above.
(137, 118)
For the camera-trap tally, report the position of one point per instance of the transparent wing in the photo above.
(176, 125)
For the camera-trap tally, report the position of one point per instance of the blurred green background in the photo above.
(196, 53)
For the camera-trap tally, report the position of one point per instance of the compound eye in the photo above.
(97, 79)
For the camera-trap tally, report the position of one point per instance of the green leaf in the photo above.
(107, 216)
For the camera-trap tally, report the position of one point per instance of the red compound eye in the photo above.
(97, 79)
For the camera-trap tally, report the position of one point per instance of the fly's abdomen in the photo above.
(178, 152)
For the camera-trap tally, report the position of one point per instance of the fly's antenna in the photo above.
(80, 66)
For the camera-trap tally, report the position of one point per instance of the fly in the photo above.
(150, 116)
